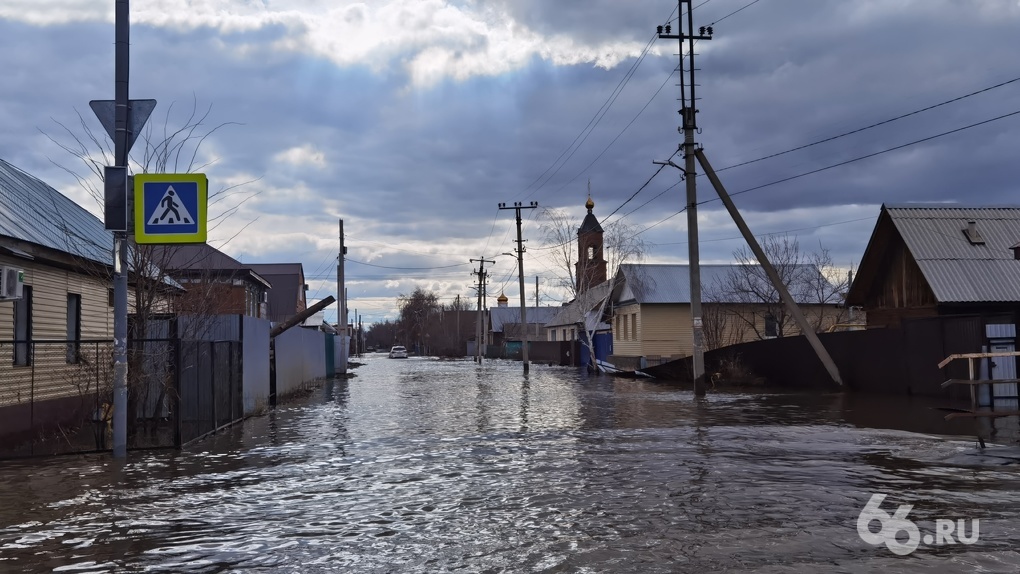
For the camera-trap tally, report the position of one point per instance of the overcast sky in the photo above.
(412, 119)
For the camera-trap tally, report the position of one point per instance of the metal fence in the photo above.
(56, 396)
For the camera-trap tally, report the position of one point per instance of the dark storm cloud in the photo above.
(416, 170)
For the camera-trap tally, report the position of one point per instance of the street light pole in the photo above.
(520, 276)
(120, 283)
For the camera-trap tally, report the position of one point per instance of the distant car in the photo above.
(398, 352)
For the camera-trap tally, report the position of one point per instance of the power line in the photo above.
(870, 155)
(832, 224)
(406, 268)
(842, 163)
(733, 12)
(592, 123)
(597, 118)
(868, 127)
(625, 128)
(661, 221)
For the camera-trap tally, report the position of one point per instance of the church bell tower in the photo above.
(590, 269)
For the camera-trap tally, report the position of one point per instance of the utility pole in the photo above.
(688, 114)
(692, 153)
(478, 322)
(341, 295)
(520, 276)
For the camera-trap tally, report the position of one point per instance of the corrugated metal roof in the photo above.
(671, 283)
(957, 270)
(500, 315)
(34, 212)
(582, 308)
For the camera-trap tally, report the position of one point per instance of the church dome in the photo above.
(589, 204)
(502, 300)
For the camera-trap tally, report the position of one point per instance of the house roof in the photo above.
(512, 315)
(192, 259)
(646, 283)
(957, 270)
(582, 307)
(34, 212)
(287, 297)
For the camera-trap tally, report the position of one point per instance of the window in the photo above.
(572, 335)
(23, 328)
(633, 327)
(73, 327)
(591, 252)
(771, 326)
(552, 333)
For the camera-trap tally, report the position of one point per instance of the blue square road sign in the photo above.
(171, 208)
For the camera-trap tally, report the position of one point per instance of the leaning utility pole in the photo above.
(478, 325)
(784, 293)
(688, 115)
(689, 112)
(520, 275)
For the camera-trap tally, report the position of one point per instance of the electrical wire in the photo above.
(771, 233)
(842, 163)
(407, 268)
(746, 6)
(866, 156)
(868, 127)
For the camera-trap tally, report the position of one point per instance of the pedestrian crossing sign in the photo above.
(170, 208)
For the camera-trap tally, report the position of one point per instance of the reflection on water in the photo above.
(434, 466)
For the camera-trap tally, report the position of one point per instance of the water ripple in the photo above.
(428, 466)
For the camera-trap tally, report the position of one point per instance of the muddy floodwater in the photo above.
(421, 465)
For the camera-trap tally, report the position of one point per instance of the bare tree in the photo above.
(559, 231)
(621, 244)
(171, 145)
(418, 313)
(750, 301)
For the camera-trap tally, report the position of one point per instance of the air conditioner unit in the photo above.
(12, 283)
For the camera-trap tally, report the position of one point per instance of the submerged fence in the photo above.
(56, 396)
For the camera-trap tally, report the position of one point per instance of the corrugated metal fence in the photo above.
(56, 396)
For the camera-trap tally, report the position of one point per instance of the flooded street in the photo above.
(429, 466)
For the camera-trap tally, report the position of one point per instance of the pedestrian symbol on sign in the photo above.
(170, 210)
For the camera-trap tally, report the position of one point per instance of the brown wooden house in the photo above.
(938, 260)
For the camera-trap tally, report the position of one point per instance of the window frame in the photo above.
(23, 329)
(73, 328)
